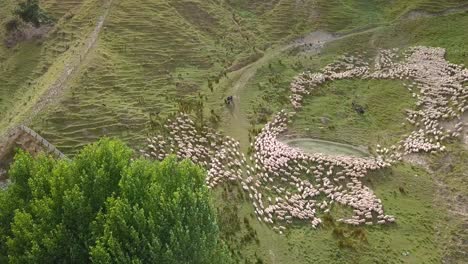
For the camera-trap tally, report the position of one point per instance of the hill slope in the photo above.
(152, 53)
(153, 57)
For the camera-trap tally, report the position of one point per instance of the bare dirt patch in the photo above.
(418, 160)
(26, 33)
(311, 145)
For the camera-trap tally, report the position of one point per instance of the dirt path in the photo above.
(312, 145)
(55, 91)
(417, 14)
(236, 122)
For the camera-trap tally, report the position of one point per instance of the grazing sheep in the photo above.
(275, 181)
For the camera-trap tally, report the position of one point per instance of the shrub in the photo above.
(30, 12)
(12, 25)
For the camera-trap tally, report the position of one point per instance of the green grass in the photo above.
(344, 15)
(451, 171)
(153, 53)
(414, 232)
(59, 8)
(326, 147)
(267, 92)
(31, 66)
(16, 71)
(146, 59)
(384, 102)
(440, 31)
(426, 229)
(150, 55)
(347, 15)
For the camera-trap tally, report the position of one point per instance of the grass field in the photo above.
(267, 92)
(384, 102)
(414, 233)
(142, 64)
(347, 15)
(333, 148)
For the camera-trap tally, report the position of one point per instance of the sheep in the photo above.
(437, 87)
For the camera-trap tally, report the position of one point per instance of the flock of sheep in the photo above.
(287, 185)
(437, 85)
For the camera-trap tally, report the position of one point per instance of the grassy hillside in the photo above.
(415, 232)
(148, 56)
(430, 228)
(271, 83)
(380, 124)
(346, 15)
(28, 68)
(151, 54)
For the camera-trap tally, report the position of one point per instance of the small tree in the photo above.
(12, 25)
(30, 12)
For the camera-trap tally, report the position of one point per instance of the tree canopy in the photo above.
(104, 207)
(30, 11)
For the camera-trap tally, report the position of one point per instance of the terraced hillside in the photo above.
(58, 8)
(153, 53)
(30, 66)
(349, 15)
(142, 63)
(149, 56)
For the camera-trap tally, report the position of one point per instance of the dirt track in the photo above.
(312, 145)
(236, 123)
(55, 91)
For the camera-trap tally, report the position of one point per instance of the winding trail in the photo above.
(236, 122)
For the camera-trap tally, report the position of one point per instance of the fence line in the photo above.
(39, 139)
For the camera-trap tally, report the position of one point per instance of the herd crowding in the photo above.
(287, 185)
(437, 85)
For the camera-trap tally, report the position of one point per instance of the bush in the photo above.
(12, 25)
(30, 12)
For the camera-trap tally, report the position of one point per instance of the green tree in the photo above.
(30, 12)
(103, 207)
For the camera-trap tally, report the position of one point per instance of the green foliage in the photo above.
(102, 207)
(12, 25)
(30, 12)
